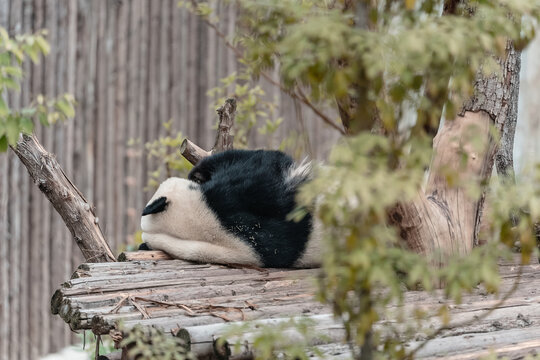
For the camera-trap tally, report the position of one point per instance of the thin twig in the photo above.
(139, 307)
(166, 303)
(119, 304)
(470, 321)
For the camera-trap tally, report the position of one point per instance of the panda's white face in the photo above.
(186, 228)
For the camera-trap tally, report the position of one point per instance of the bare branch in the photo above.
(68, 201)
(224, 140)
(192, 152)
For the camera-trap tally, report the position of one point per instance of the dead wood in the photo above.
(67, 200)
(143, 255)
(224, 140)
(100, 296)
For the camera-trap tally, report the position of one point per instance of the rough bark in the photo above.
(192, 152)
(444, 220)
(143, 255)
(224, 140)
(68, 201)
(162, 293)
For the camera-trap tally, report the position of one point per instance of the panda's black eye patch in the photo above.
(157, 206)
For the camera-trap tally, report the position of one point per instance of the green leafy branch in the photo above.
(14, 51)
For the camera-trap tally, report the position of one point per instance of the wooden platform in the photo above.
(197, 301)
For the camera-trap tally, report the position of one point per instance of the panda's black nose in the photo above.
(156, 206)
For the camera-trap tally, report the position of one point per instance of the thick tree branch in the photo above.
(192, 152)
(68, 201)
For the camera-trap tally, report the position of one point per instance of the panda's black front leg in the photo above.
(144, 246)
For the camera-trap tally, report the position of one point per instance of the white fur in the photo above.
(298, 173)
(189, 230)
(312, 255)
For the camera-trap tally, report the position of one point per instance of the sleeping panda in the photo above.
(232, 209)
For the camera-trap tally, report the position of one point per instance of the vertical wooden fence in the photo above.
(132, 65)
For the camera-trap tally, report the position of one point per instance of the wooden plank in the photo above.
(164, 63)
(49, 271)
(118, 217)
(14, 210)
(110, 155)
(38, 221)
(4, 260)
(58, 252)
(25, 193)
(100, 120)
(153, 119)
(72, 127)
(143, 114)
(133, 153)
(143, 255)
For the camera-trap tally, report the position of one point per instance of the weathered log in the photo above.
(68, 201)
(224, 140)
(143, 255)
(101, 295)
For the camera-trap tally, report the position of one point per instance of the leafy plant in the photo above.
(152, 344)
(165, 151)
(13, 52)
(395, 69)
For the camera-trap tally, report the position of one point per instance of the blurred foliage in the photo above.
(384, 59)
(292, 339)
(88, 339)
(14, 51)
(169, 161)
(149, 343)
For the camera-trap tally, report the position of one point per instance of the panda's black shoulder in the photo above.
(240, 162)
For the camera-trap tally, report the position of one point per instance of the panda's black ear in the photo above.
(199, 176)
(157, 206)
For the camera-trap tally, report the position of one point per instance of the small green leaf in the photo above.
(3, 144)
(26, 125)
(66, 108)
(43, 45)
(12, 130)
(4, 109)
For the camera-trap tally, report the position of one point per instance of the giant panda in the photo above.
(232, 209)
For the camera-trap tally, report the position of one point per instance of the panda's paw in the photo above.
(144, 246)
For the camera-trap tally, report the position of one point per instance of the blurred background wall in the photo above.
(132, 65)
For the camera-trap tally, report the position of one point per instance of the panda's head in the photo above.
(173, 207)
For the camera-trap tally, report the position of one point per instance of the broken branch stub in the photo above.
(67, 200)
(224, 140)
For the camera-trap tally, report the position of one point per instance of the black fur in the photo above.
(156, 206)
(144, 246)
(248, 193)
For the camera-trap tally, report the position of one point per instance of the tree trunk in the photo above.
(444, 220)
